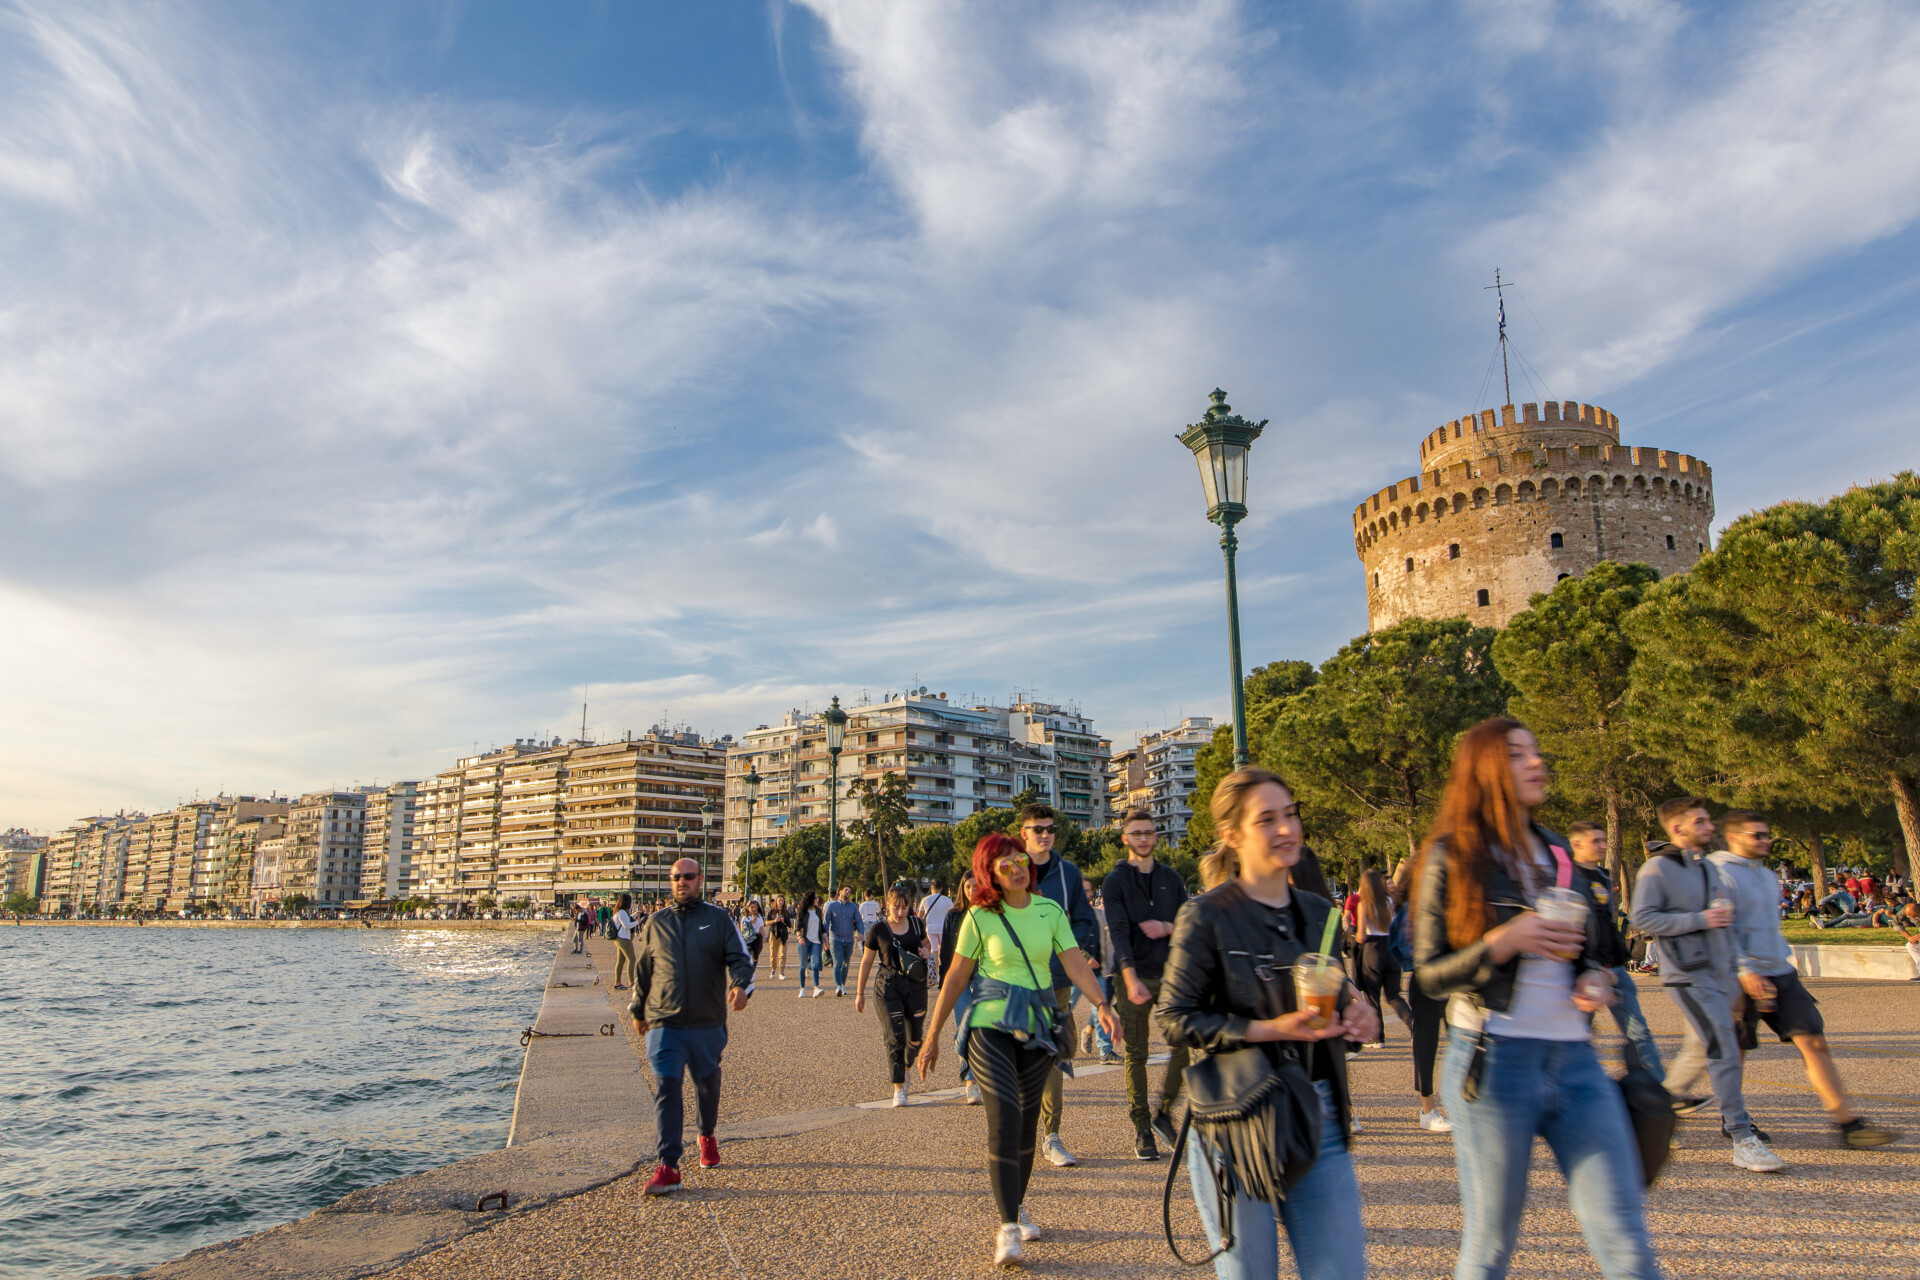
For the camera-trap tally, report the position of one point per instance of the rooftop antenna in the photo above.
(583, 711)
(1499, 291)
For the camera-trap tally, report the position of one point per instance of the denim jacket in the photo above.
(1025, 1018)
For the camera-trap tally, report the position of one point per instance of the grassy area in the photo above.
(1802, 934)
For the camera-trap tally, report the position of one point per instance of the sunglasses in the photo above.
(1009, 863)
(684, 875)
(1041, 831)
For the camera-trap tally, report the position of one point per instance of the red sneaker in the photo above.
(665, 1178)
(709, 1152)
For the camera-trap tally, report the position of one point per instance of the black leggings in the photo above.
(1011, 1076)
(1428, 1014)
(902, 1006)
(1380, 978)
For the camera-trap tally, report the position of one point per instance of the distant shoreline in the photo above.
(547, 925)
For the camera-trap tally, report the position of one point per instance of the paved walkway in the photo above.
(837, 1190)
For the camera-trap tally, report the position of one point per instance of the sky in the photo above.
(381, 379)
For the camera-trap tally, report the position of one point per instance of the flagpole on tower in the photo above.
(1498, 286)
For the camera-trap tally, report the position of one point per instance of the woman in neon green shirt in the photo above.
(1002, 956)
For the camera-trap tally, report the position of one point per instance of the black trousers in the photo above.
(1428, 1015)
(1011, 1076)
(902, 1006)
(1379, 979)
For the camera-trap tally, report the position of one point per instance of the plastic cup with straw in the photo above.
(1318, 977)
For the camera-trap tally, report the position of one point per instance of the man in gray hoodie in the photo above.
(1770, 986)
(1681, 899)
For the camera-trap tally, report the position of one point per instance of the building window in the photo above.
(1563, 577)
(1558, 540)
(1481, 598)
(1409, 564)
(1453, 551)
(1669, 542)
(1376, 579)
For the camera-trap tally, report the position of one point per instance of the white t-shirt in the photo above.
(623, 925)
(869, 914)
(933, 909)
(813, 927)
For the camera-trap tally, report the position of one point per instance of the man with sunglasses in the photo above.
(1060, 880)
(684, 961)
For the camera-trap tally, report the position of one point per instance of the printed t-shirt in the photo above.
(1043, 930)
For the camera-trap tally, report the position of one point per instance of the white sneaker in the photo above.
(1006, 1246)
(900, 1096)
(1751, 1154)
(1029, 1229)
(1056, 1152)
(973, 1094)
(818, 992)
(839, 990)
(1435, 1121)
(803, 993)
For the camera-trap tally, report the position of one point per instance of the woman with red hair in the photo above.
(1011, 1038)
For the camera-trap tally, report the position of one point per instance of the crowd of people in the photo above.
(1500, 942)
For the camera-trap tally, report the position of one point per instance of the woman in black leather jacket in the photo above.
(1228, 984)
(1519, 989)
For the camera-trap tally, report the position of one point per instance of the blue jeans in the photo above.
(672, 1054)
(1558, 1090)
(1321, 1214)
(842, 954)
(1633, 1023)
(1101, 1040)
(809, 958)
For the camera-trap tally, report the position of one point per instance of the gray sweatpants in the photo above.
(1710, 1047)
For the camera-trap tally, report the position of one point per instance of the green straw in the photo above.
(1326, 938)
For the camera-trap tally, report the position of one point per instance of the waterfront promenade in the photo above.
(816, 1184)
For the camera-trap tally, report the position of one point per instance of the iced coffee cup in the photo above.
(1565, 906)
(1317, 980)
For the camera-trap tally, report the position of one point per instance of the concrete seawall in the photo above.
(577, 1086)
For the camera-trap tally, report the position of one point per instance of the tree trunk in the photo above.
(1907, 805)
(1817, 855)
(1616, 856)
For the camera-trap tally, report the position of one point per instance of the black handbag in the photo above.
(1650, 1110)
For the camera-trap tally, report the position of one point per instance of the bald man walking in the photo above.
(684, 961)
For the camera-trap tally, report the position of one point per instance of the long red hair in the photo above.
(992, 847)
(1481, 820)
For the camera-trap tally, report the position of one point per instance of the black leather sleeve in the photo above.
(1192, 987)
(1442, 970)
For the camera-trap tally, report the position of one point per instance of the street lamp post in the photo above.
(707, 812)
(750, 787)
(1219, 442)
(836, 720)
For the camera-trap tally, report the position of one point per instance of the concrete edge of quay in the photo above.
(570, 1133)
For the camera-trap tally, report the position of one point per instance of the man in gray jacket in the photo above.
(683, 962)
(1681, 899)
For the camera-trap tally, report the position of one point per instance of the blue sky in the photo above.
(375, 376)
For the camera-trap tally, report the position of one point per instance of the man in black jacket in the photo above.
(683, 962)
(1589, 841)
(1142, 895)
(1060, 880)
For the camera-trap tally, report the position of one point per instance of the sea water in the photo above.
(163, 1088)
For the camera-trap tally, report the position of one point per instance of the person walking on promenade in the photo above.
(843, 926)
(1060, 880)
(962, 905)
(898, 944)
(1375, 968)
(605, 914)
(1683, 899)
(1770, 987)
(1227, 986)
(934, 909)
(1015, 1032)
(1141, 897)
(1429, 1014)
(810, 927)
(685, 961)
(582, 926)
(753, 932)
(1491, 933)
(1589, 843)
(777, 928)
(870, 913)
(623, 926)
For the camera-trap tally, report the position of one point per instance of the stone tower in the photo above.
(1507, 503)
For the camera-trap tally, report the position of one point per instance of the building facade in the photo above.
(1168, 760)
(386, 853)
(322, 864)
(1507, 503)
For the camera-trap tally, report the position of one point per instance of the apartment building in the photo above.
(328, 830)
(23, 863)
(532, 795)
(1168, 757)
(632, 808)
(223, 872)
(958, 760)
(271, 853)
(387, 852)
(1127, 783)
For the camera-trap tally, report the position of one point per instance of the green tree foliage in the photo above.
(1570, 664)
(1368, 745)
(885, 810)
(294, 903)
(1265, 689)
(927, 854)
(1783, 671)
(967, 833)
(1184, 864)
(18, 903)
(796, 863)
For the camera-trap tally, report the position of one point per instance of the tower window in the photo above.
(1563, 577)
(1376, 579)
(1669, 542)
(1558, 540)
(1409, 564)
(1482, 599)
(1453, 551)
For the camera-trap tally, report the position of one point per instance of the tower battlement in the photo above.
(1508, 501)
